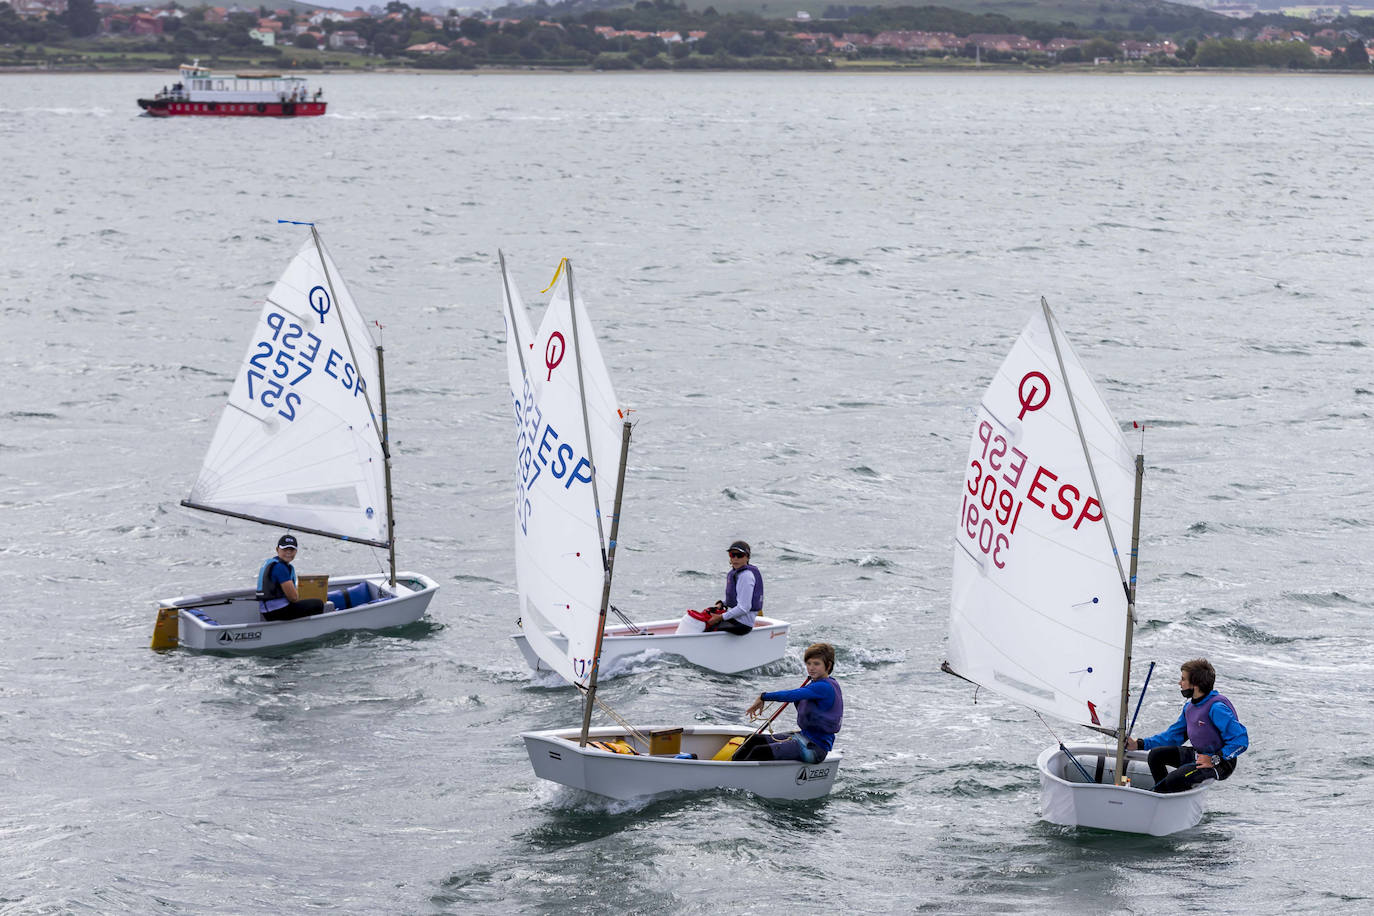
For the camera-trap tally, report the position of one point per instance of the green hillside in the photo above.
(1086, 14)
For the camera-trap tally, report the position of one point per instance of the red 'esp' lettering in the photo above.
(1065, 499)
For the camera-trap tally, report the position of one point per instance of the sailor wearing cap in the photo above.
(277, 596)
(743, 594)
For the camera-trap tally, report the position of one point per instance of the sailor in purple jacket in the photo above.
(743, 594)
(820, 708)
(1208, 722)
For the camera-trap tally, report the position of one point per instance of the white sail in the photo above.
(298, 444)
(560, 528)
(1038, 606)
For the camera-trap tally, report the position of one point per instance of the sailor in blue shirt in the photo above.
(1208, 722)
(277, 597)
(820, 710)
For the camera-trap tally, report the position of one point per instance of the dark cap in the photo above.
(741, 546)
(286, 540)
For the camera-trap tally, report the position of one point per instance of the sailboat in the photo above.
(302, 444)
(542, 454)
(1042, 612)
(569, 484)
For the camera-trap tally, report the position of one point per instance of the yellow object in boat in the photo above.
(728, 752)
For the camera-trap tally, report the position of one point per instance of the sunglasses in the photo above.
(737, 553)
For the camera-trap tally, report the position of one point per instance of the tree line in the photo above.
(565, 34)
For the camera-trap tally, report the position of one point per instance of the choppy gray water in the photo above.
(803, 284)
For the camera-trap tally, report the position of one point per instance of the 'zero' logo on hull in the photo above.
(809, 773)
(240, 637)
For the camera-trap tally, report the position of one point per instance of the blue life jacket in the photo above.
(756, 600)
(270, 594)
(1202, 734)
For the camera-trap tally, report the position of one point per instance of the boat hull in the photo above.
(1067, 799)
(555, 756)
(170, 108)
(722, 652)
(230, 622)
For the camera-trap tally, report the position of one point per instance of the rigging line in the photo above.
(586, 420)
(619, 720)
(1144, 687)
(343, 323)
(626, 620)
(510, 307)
(1087, 454)
(1064, 750)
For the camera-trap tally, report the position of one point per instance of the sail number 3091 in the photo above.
(986, 511)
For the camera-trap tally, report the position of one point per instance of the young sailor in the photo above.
(277, 597)
(743, 594)
(820, 708)
(1208, 722)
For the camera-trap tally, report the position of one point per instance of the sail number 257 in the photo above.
(286, 359)
(989, 513)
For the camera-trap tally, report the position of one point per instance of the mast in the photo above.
(606, 557)
(1087, 454)
(1130, 621)
(606, 588)
(386, 470)
(381, 430)
(1127, 586)
(586, 421)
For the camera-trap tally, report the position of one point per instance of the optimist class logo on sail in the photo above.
(997, 488)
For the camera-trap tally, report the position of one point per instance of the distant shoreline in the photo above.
(986, 70)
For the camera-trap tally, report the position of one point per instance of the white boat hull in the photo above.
(1067, 799)
(230, 622)
(555, 756)
(722, 652)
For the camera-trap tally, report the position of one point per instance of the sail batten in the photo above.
(1038, 614)
(297, 444)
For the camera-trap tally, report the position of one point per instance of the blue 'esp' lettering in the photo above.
(583, 465)
(351, 381)
(545, 445)
(560, 465)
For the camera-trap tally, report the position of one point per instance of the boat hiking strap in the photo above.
(1064, 750)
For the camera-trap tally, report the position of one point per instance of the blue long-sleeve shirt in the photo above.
(1234, 738)
(823, 695)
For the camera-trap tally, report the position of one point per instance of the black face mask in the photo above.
(1187, 694)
